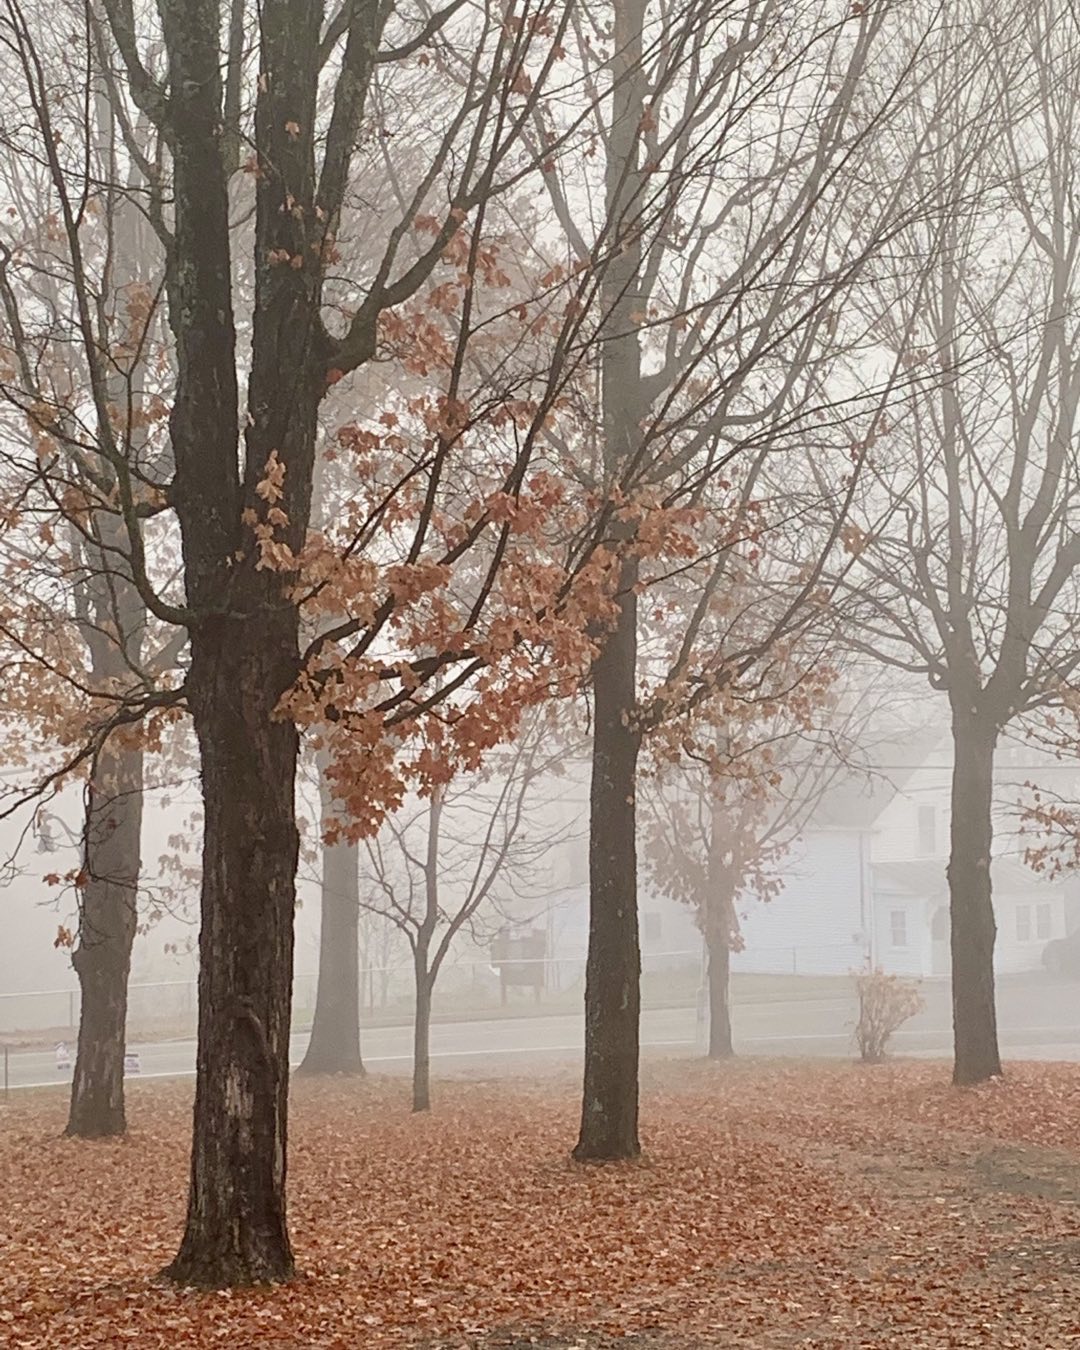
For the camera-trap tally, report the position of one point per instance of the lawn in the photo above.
(776, 1205)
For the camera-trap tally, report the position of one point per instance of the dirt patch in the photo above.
(1044, 1174)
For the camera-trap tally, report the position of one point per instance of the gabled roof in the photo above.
(861, 794)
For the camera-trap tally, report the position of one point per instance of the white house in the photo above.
(910, 848)
(866, 882)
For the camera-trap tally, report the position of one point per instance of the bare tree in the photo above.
(721, 818)
(115, 646)
(725, 146)
(472, 846)
(964, 548)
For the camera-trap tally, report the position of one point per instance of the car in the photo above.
(1062, 956)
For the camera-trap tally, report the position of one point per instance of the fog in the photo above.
(857, 881)
(540, 543)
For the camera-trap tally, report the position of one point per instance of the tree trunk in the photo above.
(421, 1082)
(112, 621)
(236, 1232)
(609, 1112)
(970, 901)
(718, 942)
(334, 1046)
(720, 925)
(243, 613)
(102, 959)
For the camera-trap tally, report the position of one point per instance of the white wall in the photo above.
(1023, 936)
(815, 925)
(902, 944)
(897, 835)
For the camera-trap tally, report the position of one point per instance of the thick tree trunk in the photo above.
(236, 1232)
(244, 621)
(334, 1046)
(970, 901)
(718, 942)
(421, 1082)
(609, 1112)
(102, 959)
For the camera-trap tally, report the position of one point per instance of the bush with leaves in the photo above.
(886, 1002)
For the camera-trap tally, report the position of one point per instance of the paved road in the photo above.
(1039, 1019)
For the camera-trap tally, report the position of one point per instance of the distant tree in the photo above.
(719, 821)
(963, 548)
(477, 844)
(334, 1045)
(112, 647)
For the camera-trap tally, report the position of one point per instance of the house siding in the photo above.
(814, 926)
(907, 952)
(1015, 953)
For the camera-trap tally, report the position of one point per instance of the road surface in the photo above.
(1038, 1018)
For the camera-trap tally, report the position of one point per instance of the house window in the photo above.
(898, 927)
(1044, 922)
(653, 926)
(1023, 923)
(927, 830)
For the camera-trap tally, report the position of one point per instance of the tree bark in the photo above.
(236, 1232)
(720, 926)
(102, 959)
(424, 975)
(334, 1046)
(421, 1082)
(112, 621)
(973, 929)
(718, 943)
(244, 620)
(609, 1112)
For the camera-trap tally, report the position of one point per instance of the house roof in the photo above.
(852, 806)
(856, 802)
(919, 876)
(926, 877)
(882, 764)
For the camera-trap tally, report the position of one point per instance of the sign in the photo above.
(63, 1057)
(131, 1063)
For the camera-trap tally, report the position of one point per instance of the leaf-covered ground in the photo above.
(776, 1206)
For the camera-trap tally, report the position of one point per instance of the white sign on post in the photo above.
(63, 1057)
(131, 1063)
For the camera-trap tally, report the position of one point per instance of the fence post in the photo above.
(6, 1088)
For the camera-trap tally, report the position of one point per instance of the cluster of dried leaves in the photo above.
(776, 1206)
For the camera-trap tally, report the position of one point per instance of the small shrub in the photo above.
(885, 1003)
